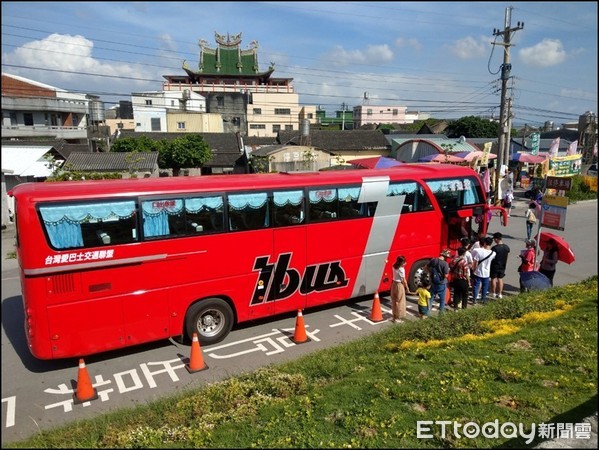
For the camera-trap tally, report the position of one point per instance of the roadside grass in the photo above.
(527, 359)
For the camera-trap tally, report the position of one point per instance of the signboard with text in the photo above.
(565, 165)
(554, 212)
(559, 183)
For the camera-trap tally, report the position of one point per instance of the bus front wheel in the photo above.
(211, 319)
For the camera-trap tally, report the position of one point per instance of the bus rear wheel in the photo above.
(418, 274)
(211, 319)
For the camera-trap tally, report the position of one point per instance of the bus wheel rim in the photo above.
(211, 323)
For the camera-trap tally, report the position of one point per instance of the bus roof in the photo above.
(62, 190)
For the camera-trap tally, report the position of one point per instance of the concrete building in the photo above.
(150, 108)
(34, 110)
(378, 114)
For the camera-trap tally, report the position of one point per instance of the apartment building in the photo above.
(379, 114)
(34, 110)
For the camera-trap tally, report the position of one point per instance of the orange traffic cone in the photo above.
(196, 360)
(85, 391)
(300, 336)
(376, 315)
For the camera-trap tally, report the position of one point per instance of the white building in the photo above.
(150, 108)
(377, 114)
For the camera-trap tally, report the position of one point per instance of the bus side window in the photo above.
(288, 207)
(204, 214)
(163, 217)
(94, 224)
(248, 211)
(323, 204)
(349, 207)
(416, 199)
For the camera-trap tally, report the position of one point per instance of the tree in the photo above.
(185, 151)
(131, 144)
(472, 127)
(188, 150)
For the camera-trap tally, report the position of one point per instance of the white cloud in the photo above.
(408, 43)
(71, 56)
(470, 48)
(547, 53)
(374, 54)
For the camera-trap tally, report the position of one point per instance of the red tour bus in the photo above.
(114, 263)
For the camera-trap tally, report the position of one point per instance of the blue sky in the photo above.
(433, 57)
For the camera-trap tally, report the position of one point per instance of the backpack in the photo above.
(532, 218)
(437, 277)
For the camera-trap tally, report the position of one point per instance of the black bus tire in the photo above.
(416, 274)
(212, 319)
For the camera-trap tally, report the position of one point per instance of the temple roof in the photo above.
(228, 60)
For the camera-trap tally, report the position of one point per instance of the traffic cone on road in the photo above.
(376, 314)
(196, 360)
(299, 337)
(85, 391)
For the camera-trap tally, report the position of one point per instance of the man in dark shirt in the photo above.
(438, 270)
(498, 265)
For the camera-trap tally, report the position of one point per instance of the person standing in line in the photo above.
(531, 219)
(550, 259)
(527, 258)
(467, 244)
(482, 269)
(478, 242)
(498, 265)
(399, 287)
(438, 270)
(424, 299)
(460, 276)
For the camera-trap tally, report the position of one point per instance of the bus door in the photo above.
(289, 249)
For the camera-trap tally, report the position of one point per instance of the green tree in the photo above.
(472, 127)
(186, 151)
(138, 144)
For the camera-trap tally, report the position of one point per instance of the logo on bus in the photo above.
(278, 281)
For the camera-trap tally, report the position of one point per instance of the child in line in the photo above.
(424, 299)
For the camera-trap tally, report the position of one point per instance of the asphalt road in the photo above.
(38, 394)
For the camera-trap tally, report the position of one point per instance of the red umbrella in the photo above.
(565, 253)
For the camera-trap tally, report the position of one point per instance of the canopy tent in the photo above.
(376, 162)
(441, 158)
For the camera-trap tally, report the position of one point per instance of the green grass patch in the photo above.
(528, 359)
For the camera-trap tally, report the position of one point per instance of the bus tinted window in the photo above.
(248, 211)
(455, 193)
(348, 203)
(323, 204)
(288, 207)
(89, 224)
(204, 215)
(163, 217)
(416, 198)
(182, 217)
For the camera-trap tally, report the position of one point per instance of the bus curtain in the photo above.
(63, 223)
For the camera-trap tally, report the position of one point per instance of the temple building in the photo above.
(250, 101)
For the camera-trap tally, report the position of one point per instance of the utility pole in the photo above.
(504, 108)
(343, 116)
